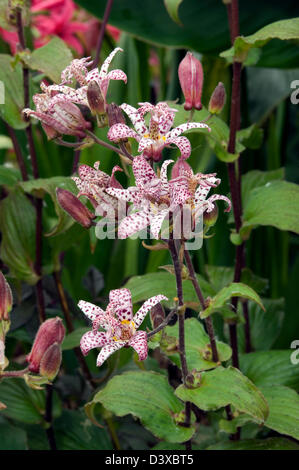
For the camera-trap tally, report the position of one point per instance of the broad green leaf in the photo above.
(283, 410)
(204, 24)
(51, 59)
(236, 289)
(23, 403)
(74, 431)
(219, 276)
(265, 326)
(149, 397)
(272, 443)
(72, 340)
(284, 30)
(41, 186)
(17, 221)
(256, 178)
(251, 137)
(275, 204)
(221, 387)
(12, 438)
(197, 346)
(148, 285)
(9, 176)
(11, 86)
(172, 6)
(266, 368)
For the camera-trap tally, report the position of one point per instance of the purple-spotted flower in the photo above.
(154, 197)
(96, 79)
(119, 324)
(153, 138)
(59, 117)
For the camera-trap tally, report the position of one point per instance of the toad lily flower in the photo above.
(154, 197)
(97, 80)
(158, 134)
(58, 117)
(119, 324)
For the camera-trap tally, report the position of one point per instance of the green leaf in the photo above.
(236, 289)
(265, 326)
(41, 186)
(9, 176)
(23, 403)
(149, 397)
(5, 142)
(272, 443)
(256, 178)
(251, 137)
(72, 340)
(50, 59)
(204, 24)
(197, 342)
(275, 204)
(74, 431)
(12, 88)
(284, 30)
(17, 221)
(148, 285)
(283, 410)
(221, 387)
(12, 438)
(219, 276)
(172, 6)
(266, 368)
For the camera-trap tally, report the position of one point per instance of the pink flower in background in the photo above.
(153, 138)
(64, 19)
(119, 324)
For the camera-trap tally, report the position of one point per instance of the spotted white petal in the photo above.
(139, 343)
(136, 118)
(132, 194)
(144, 143)
(121, 131)
(186, 127)
(183, 144)
(109, 349)
(107, 62)
(91, 340)
(143, 172)
(219, 197)
(90, 310)
(157, 221)
(146, 307)
(134, 223)
(121, 302)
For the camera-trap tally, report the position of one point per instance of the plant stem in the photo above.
(49, 418)
(13, 373)
(181, 318)
(18, 153)
(105, 144)
(102, 32)
(33, 157)
(163, 324)
(70, 327)
(208, 321)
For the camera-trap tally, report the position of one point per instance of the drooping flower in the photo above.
(119, 324)
(78, 71)
(191, 80)
(58, 117)
(154, 197)
(158, 134)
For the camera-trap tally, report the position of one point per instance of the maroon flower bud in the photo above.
(74, 207)
(115, 115)
(50, 362)
(95, 98)
(157, 315)
(5, 298)
(217, 100)
(69, 116)
(50, 332)
(191, 80)
(210, 218)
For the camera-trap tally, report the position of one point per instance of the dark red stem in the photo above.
(102, 33)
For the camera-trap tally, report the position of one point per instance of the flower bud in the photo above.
(217, 100)
(157, 315)
(191, 80)
(69, 120)
(74, 207)
(50, 332)
(5, 298)
(210, 218)
(50, 362)
(95, 98)
(115, 115)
